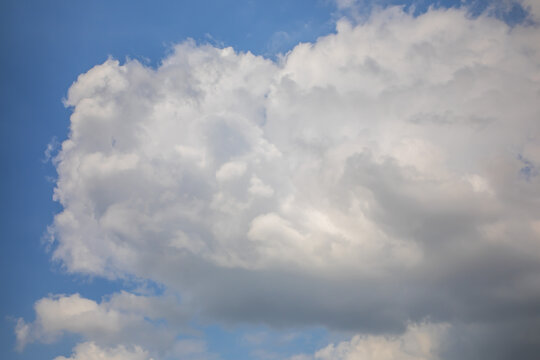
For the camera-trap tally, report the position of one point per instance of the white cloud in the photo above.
(123, 318)
(182, 349)
(51, 148)
(258, 188)
(387, 163)
(90, 351)
(121, 326)
(419, 342)
(231, 170)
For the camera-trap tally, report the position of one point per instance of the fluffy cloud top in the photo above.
(417, 343)
(90, 351)
(153, 322)
(384, 174)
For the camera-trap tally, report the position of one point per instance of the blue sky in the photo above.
(47, 45)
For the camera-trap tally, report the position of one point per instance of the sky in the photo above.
(298, 180)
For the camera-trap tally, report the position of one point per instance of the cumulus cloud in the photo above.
(90, 351)
(384, 174)
(417, 343)
(106, 321)
(122, 326)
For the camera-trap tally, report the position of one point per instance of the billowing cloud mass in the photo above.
(385, 175)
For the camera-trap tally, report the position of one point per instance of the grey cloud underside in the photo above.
(385, 174)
